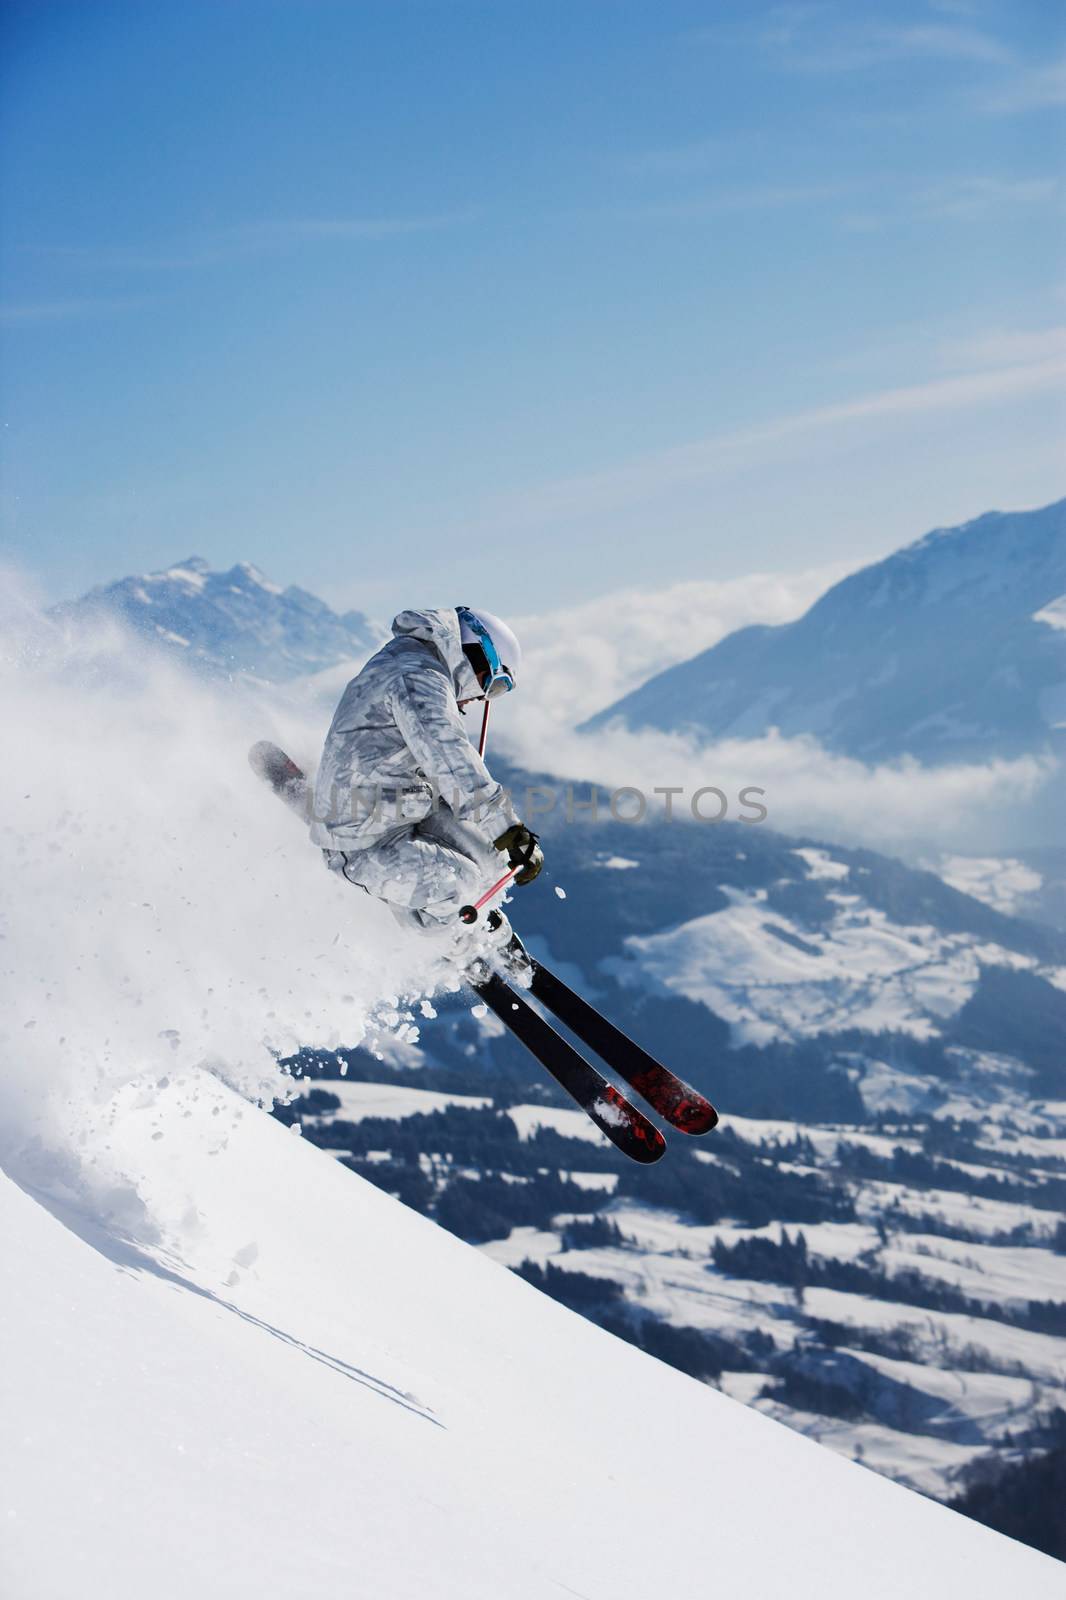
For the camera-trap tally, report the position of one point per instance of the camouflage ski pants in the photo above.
(424, 872)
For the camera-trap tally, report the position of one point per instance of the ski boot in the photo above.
(498, 949)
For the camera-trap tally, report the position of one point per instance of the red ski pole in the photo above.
(469, 913)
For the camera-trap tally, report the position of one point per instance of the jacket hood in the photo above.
(441, 630)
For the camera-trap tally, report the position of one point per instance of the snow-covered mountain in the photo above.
(302, 1388)
(784, 938)
(235, 621)
(951, 649)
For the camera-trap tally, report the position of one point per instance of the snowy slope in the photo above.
(302, 1388)
(949, 650)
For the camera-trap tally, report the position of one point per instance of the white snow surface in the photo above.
(820, 864)
(394, 1100)
(571, 1124)
(1000, 881)
(303, 1386)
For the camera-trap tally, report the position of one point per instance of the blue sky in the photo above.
(526, 301)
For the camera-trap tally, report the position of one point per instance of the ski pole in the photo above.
(469, 913)
(483, 741)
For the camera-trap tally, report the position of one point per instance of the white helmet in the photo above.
(502, 652)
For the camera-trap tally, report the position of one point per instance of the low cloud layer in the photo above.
(582, 659)
(898, 806)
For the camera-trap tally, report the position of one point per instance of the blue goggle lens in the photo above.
(500, 680)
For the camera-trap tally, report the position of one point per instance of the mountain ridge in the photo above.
(949, 649)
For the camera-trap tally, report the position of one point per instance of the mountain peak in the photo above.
(253, 575)
(232, 621)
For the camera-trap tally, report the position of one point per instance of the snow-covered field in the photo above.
(771, 977)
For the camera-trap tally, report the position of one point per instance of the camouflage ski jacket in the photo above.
(397, 749)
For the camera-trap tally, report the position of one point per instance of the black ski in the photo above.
(627, 1128)
(675, 1100)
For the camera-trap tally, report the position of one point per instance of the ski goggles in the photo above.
(499, 679)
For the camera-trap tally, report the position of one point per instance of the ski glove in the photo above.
(523, 852)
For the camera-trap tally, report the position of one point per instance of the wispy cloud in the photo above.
(814, 38)
(721, 454)
(809, 39)
(971, 198)
(298, 230)
(247, 240)
(1031, 89)
(956, 8)
(680, 160)
(30, 313)
(785, 25)
(752, 197)
(1005, 347)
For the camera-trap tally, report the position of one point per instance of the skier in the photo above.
(404, 806)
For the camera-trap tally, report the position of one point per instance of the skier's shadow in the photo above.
(132, 1258)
